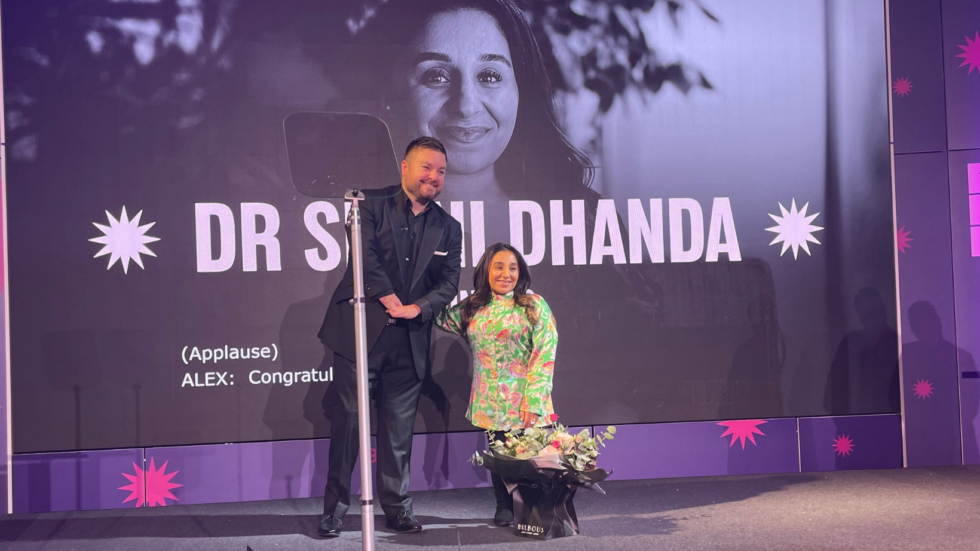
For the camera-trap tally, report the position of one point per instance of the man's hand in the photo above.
(405, 312)
(390, 301)
(528, 419)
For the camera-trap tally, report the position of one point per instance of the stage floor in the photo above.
(934, 508)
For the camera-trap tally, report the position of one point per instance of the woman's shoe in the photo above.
(504, 516)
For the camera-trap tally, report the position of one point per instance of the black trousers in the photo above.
(394, 385)
(500, 493)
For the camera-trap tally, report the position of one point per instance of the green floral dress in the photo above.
(513, 361)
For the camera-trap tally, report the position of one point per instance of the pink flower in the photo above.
(553, 417)
(556, 444)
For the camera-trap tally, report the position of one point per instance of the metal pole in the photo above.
(6, 458)
(898, 279)
(360, 341)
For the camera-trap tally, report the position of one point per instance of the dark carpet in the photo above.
(935, 508)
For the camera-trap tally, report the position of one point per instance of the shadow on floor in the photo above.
(629, 508)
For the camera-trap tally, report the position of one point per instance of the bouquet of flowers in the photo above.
(542, 468)
(579, 451)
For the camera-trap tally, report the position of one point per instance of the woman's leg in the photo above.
(503, 497)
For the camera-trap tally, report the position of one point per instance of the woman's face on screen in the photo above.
(463, 88)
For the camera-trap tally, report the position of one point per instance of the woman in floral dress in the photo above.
(513, 338)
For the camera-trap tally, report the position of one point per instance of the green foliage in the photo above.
(579, 450)
(601, 45)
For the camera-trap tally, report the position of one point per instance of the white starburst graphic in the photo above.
(124, 240)
(794, 229)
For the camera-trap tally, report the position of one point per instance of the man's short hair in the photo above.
(426, 142)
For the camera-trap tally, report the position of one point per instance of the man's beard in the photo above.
(415, 188)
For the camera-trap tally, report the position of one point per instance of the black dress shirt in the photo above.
(414, 228)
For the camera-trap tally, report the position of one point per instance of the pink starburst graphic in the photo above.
(902, 86)
(740, 430)
(151, 486)
(904, 239)
(971, 53)
(843, 445)
(922, 389)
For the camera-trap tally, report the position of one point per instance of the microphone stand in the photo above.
(360, 341)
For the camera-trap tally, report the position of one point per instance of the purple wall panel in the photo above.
(442, 461)
(918, 105)
(76, 481)
(244, 472)
(966, 277)
(293, 469)
(698, 449)
(847, 443)
(961, 45)
(207, 474)
(928, 314)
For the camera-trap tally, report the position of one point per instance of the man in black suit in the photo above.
(411, 272)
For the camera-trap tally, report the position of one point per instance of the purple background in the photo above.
(936, 135)
(876, 443)
(926, 281)
(697, 449)
(918, 118)
(966, 273)
(73, 481)
(961, 18)
(293, 469)
(938, 277)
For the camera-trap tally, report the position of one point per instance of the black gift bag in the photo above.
(543, 488)
(545, 511)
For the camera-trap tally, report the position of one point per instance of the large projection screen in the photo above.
(702, 190)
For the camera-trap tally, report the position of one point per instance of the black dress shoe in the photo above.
(329, 527)
(405, 522)
(504, 516)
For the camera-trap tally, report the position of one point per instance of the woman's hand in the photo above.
(528, 419)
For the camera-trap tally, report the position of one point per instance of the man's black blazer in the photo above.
(433, 286)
